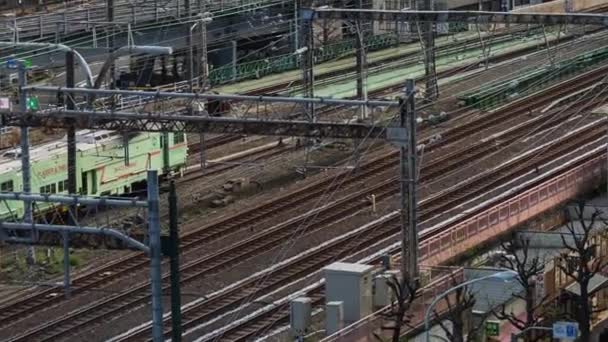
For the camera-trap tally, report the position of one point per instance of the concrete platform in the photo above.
(394, 76)
(338, 65)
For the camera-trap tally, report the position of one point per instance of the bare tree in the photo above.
(405, 293)
(583, 262)
(458, 307)
(528, 267)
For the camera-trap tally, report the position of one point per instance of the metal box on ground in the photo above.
(350, 284)
(383, 295)
(334, 317)
(300, 315)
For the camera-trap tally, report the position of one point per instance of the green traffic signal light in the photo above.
(32, 103)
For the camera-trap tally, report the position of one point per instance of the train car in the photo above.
(101, 167)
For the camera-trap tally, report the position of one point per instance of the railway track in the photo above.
(388, 91)
(279, 315)
(261, 242)
(429, 207)
(127, 265)
(214, 142)
(252, 157)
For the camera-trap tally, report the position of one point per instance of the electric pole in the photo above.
(190, 68)
(176, 317)
(71, 141)
(430, 70)
(361, 60)
(361, 63)
(110, 19)
(308, 78)
(407, 153)
(204, 79)
(25, 159)
(202, 70)
(307, 48)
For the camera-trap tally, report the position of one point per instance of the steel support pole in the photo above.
(234, 60)
(407, 152)
(204, 82)
(110, 18)
(430, 70)
(66, 264)
(176, 317)
(71, 132)
(308, 79)
(25, 160)
(296, 23)
(190, 71)
(412, 156)
(361, 60)
(165, 151)
(155, 256)
(307, 43)
(204, 68)
(71, 141)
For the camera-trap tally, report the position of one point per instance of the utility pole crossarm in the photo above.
(462, 16)
(130, 122)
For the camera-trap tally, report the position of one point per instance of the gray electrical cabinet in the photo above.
(300, 316)
(350, 284)
(383, 295)
(334, 317)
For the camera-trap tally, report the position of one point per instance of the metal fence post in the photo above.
(155, 256)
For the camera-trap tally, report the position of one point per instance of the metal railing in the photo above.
(509, 213)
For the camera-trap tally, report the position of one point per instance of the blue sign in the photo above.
(11, 64)
(565, 330)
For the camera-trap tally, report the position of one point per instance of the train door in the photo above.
(89, 182)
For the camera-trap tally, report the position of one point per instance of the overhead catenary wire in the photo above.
(531, 133)
(302, 227)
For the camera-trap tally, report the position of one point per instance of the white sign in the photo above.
(565, 330)
(5, 103)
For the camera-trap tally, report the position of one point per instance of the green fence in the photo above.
(278, 64)
(496, 93)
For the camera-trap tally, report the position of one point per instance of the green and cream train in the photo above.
(100, 164)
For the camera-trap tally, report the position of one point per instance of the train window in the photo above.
(178, 138)
(6, 186)
(62, 186)
(48, 189)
